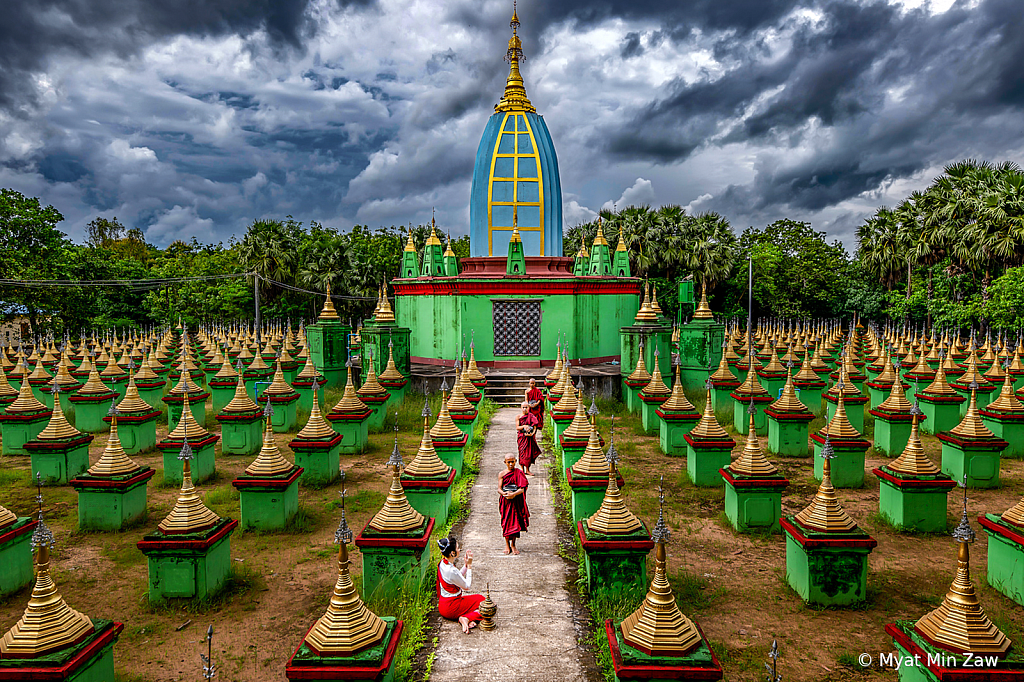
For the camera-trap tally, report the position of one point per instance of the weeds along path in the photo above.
(534, 638)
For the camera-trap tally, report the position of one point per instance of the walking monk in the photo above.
(515, 515)
(535, 398)
(452, 602)
(526, 440)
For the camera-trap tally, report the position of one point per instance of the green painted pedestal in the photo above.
(18, 429)
(986, 394)
(1010, 427)
(854, 407)
(892, 431)
(942, 413)
(304, 387)
(319, 459)
(704, 458)
(465, 421)
(637, 666)
(921, 661)
(396, 389)
(649, 412)
(879, 393)
(572, 450)
(722, 401)
(1005, 556)
(560, 422)
(788, 432)
(136, 431)
(378, 411)
(431, 497)
(978, 458)
(16, 569)
(328, 345)
(848, 465)
(753, 505)
(203, 462)
(152, 392)
(587, 494)
(375, 663)
(188, 565)
(672, 431)
(90, 660)
(221, 393)
(196, 404)
(241, 433)
(827, 569)
(616, 564)
(286, 416)
(740, 418)
(90, 411)
(112, 503)
(58, 461)
(810, 395)
(354, 430)
(913, 503)
(631, 394)
(394, 564)
(268, 503)
(451, 453)
(772, 382)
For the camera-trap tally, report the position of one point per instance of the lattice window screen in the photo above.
(517, 327)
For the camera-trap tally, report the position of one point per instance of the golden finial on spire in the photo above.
(515, 225)
(515, 98)
(703, 311)
(397, 515)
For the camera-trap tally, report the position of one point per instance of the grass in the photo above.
(242, 584)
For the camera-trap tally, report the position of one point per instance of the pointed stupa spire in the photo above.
(613, 517)
(397, 515)
(113, 461)
(514, 98)
(913, 461)
(426, 464)
(703, 311)
(825, 513)
(189, 514)
(658, 627)
(270, 461)
(328, 312)
(752, 461)
(348, 625)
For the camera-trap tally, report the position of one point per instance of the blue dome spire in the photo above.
(516, 173)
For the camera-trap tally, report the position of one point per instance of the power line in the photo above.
(137, 283)
(316, 293)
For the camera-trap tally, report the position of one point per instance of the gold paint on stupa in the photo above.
(444, 428)
(317, 426)
(658, 627)
(579, 428)
(678, 401)
(939, 385)
(309, 370)
(391, 372)
(40, 373)
(646, 314)
(1015, 514)
(328, 312)
(278, 386)
(132, 403)
(960, 624)
(971, 426)
(468, 389)
(556, 371)
(457, 400)
(227, 370)
(386, 314)
(58, 427)
(788, 400)
(1007, 401)
(708, 427)
(613, 517)
(640, 373)
(568, 400)
(350, 402)
(897, 400)
(397, 515)
(371, 387)
(241, 402)
(913, 461)
(113, 461)
(48, 623)
(426, 463)
(723, 373)
(656, 386)
(703, 311)
(270, 461)
(187, 426)
(7, 517)
(599, 238)
(472, 370)
(5, 386)
(592, 464)
(752, 461)
(189, 514)
(752, 383)
(825, 513)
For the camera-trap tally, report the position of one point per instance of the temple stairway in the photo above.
(535, 638)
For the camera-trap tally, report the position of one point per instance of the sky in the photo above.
(192, 118)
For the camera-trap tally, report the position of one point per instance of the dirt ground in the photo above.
(738, 591)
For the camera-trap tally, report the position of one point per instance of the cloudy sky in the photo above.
(195, 117)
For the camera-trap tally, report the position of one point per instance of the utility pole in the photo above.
(256, 293)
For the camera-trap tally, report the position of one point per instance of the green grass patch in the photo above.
(222, 500)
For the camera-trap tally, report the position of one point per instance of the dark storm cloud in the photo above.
(834, 84)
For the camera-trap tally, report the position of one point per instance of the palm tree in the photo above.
(269, 249)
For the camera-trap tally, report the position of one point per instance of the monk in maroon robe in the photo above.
(526, 430)
(515, 515)
(535, 398)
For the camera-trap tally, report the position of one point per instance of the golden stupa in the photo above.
(613, 517)
(397, 515)
(426, 463)
(189, 514)
(113, 461)
(269, 461)
(752, 461)
(328, 313)
(825, 513)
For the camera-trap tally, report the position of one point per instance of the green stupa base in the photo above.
(465, 422)
(112, 503)
(220, 396)
(328, 345)
(153, 396)
(189, 565)
(672, 432)
(57, 462)
(1009, 427)
(649, 413)
(741, 418)
(848, 465)
(16, 430)
(891, 434)
(203, 460)
(89, 414)
(394, 564)
(942, 414)
(90, 660)
(827, 569)
(772, 384)
(285, 418)
(633, 665)
(198, 409)
(913, 503)
(810, 396)
(241, 435)
(118, 386)
(354, 430)
(559, 423)
(1005, 556)
(986, 394)
(978, 459)
(787, 436)
(587, 494)
(572, 450)
(753, 505)
(452, 453)
(252, 377)
(722, 402)
(306, 395)
(318, 459)
(703, 462)
(137, 432)
(631, 396)
(877, 396)
(268, 503)
(616, 565)
(41, 393)
(430, 497)
(375, 663)
(397, 391)
(16, 568)
(920, 661)
(854, 411)
(378, 411)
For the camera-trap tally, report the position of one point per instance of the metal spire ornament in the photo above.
(773, 674)
(209, 669)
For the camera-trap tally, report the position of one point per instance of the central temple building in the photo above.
(516, 297)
